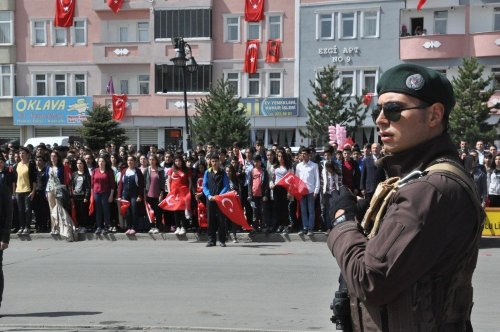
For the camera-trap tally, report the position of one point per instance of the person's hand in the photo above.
(85, 200)
(32, 195)
(264, 199)
(345, 203)
(212, 198)
(139, 199)
(3, 245)
(110, 199)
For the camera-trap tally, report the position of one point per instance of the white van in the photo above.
(59, 140)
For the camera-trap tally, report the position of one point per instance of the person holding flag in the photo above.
(154, 177)
(280, 201)
(179, 180)
(215, 182)
(131, 188)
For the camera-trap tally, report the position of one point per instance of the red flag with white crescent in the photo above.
(177, 200)
(294, 185)
(91, 203)
(420, 4)
(65, 11)
(273, 51)
(124, 205)
(119, 106)
(251, 56)
(230, 205)
(150, 213)
(254, 10)
(115, 5)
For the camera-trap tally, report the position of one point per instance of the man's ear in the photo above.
(435, 115)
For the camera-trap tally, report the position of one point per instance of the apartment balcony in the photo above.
(485, 44)
(102, 5)
(8, 54)
(433, 47)
(122, 52)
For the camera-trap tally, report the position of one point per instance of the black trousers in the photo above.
(216, 223)
(1, 276)
(42, 211)
(82, 212)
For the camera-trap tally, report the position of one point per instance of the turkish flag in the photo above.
(115, 5)
(202, 215)
(230, 205)
(65, 11)
(367, 99)
(91, 204)
(150, 213)
(420, 4)
(254, 10)
(177, 200)
(251, 56)
(273, 51)
(294, 185)
(124, 205)
(119, 106)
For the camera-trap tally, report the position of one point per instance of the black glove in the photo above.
(344, 200)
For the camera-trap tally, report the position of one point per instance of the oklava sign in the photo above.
(51, 111)
(271, 106)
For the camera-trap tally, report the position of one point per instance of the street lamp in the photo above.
(185, 60)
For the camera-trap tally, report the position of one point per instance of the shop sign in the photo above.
(271, 106)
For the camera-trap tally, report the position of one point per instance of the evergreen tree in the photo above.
(100, 129)
(332, 105)
(472, 92)
(219, 117)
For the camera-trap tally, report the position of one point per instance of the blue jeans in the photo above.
(131, 216)
(102, 208)
(307, 212)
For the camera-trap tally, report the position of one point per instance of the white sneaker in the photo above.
(156, 231)
(82, 230)
(177, 231)
(152, 230)
(182, 231)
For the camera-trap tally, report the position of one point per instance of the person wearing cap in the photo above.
(415, 273)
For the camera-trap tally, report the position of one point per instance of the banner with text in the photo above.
(51, 111)
(271, 106)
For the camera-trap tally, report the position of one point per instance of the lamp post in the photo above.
(186, 62)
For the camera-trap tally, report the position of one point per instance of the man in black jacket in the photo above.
(5, 224)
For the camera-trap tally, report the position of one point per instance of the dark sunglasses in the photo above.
(392, 111)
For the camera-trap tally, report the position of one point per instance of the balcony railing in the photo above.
(119, 52)
(102, 5)
(433, 47)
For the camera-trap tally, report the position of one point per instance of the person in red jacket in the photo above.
(103, 187)
(131, 188)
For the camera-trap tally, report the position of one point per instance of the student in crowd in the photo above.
(40, 204)
(308, 172)
(179, 179)
(103, 188)
(80, 190)
(258, 194)
(280, 196)
(131, 188)
(154, 178)
(25, 185)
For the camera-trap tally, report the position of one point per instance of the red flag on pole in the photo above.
(420, 4)
(251, 56)
(91, 204)
(254, 10)
(119, 106)
(177, 200)
(124, 205)
(65, 11)
(294, 185)
(150, 213)
(273, 51)
(115, 5)
(230, 205)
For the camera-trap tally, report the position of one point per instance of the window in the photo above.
(348, 25)
(370, 24)
(124, 87)
(39, 36)
(234, 82)
(440, 20)
(347, 78)
(60, 84)
(80, 85)
(143, 31)
(369, 81)
(188, 23)
(168, 78)
(143, 84)
(275, 84)
(496, 20)
(254, 85)
(60, 36)
(232, 29)
(41, 85)
(6, 80)
(79, 32)
(274, 24)
(496, 78)
(6, 28)
(123, 37)
(253, 30)
(325, 26)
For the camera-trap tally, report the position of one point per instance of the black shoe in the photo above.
(222, 244)
(210, 244)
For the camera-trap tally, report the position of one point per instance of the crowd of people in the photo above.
(55, 188)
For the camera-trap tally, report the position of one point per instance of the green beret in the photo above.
(420, 82)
